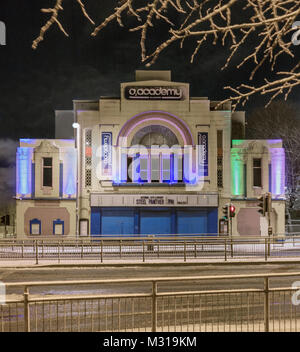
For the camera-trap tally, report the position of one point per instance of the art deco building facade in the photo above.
(152, 161)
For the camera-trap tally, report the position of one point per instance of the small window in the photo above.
(257, 179)
(47, 172)
(35, 227)
(58, 227)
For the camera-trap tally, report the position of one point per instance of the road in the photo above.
(99, 273)
(213, 312)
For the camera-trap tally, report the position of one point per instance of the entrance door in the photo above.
(117, 221)
(155, 222)
(192, 221)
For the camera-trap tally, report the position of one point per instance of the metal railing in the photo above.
(255, 303)
(145, 249)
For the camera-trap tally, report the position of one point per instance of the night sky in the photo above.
(35, 83)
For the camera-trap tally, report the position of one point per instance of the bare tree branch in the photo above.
(267, 33)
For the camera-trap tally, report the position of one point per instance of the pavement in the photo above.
(15, 264)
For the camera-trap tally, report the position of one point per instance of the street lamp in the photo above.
(76, 126)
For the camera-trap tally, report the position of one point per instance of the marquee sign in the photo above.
(154, 200)
(203, 141)
(154, 93)
(106, 154)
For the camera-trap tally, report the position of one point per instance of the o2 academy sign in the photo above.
(154, 93)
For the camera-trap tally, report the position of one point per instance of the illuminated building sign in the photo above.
(106, 154)
(154, 93)
(203, 141)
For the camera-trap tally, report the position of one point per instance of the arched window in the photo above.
(162, 163)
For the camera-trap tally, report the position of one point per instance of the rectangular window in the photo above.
(166, 168)
(155, 168)
(47, 172)
(88, 158)
(220, 158)
(144, 168)
(257, 179)
(176, 166)
(129, 169)
(58, 227)
(88, 178)
(35, 227)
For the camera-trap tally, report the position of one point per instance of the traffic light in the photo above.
(232, 211)
(262, 205)
(2, 220)
(225, 212)
(268, 203)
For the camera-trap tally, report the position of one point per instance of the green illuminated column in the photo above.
(237, 172)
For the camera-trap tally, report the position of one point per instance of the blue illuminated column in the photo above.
(278, 171)
(24, 170)
(70, 167)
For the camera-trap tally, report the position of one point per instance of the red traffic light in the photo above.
(232, 211)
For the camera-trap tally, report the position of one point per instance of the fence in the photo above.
(261, 305)
(145, 249)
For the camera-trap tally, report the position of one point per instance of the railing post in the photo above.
(225, 249)
(36, 252)
(22, 249)
(157, 248)
(231, 247)
(266, 304)
(101, 251)
(58, 252)
(195, 247)
(154, 306)
(81, 249)
(120, 246)
(266, 249)
(143, 251)
(26, 310)
(184, 251)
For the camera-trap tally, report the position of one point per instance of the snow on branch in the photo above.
(264, 27)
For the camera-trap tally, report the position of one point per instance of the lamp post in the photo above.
(76, 126)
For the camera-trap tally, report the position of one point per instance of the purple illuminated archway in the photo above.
(167, 119)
